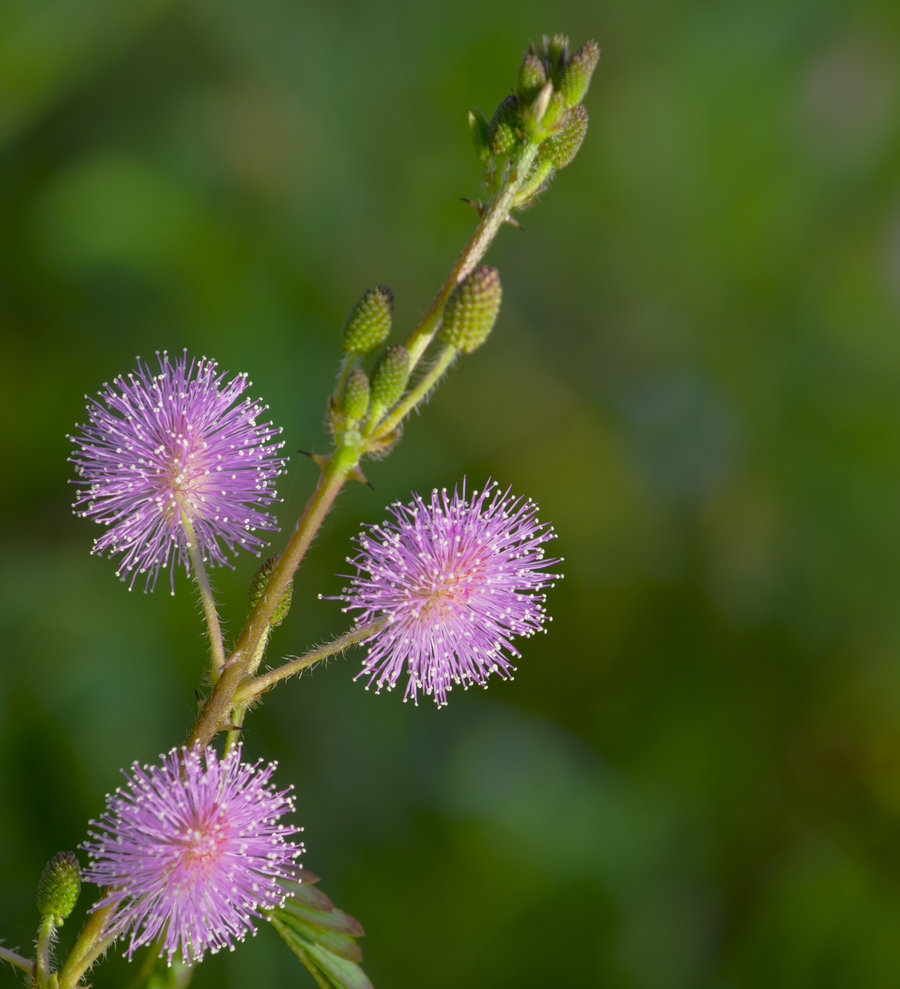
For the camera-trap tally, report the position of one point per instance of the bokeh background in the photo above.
(694, 780)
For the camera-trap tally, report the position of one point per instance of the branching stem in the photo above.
(91, 943)
(214, 715)
(261, 684)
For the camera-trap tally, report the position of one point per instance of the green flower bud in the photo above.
(59, 886)
(554, 115)
(576, 77)
(505, 125)
(472, 309)
(389, 377)
(480, 130)
(369, 321)
(556, 48)
(356, 397)
(562, 147)
(532, 76)
(257, 585)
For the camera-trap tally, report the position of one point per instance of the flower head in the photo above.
(456, 578)
(191, 850)
(169, 454)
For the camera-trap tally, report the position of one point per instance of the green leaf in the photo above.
(335, 941)
(321, 936)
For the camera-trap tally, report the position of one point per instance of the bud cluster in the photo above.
(545, 108)
(359, 398)
(535, 130)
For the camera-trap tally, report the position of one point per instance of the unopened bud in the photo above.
(576, 77)
(504, 125)
(532, 75)
(389, 377)
(369, 321)
(554, 115)
(562, 147)
(59, 886)
(538, 108)
(556, 47)
(257, 586)
(356, 397)
(472, 309)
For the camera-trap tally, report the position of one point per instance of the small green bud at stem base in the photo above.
(59, 886)
(258, 584)
(356, 398)
(504, 126)
(388, 382)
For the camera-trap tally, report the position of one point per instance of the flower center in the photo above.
(200, 849)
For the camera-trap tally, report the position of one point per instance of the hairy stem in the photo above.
(216, 648)
(42, 957)
(239, 711)
(87, 949)
(491, 220)
(344, 460)
(261, 684)
(26, 964)
(418, 394)
(213, 716)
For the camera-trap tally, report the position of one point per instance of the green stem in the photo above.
(26, 964)
(239, 711)
(261, 684)
(339, 466)
(491, 221)
(216, 648)
(87, 949)
(42, 957)
(178, 974)
(418, 394)
(348, 365)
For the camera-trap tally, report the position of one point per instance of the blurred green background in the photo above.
(694, 780)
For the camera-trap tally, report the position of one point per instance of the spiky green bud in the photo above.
(532, 76)
(59, 886)
(556, 49)
(389, 377)
(369, 321)
(481, 134)
(257, 585)
(562, 147)
(472, 309)
(576, 77)
(504, 129)
(356, 397)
